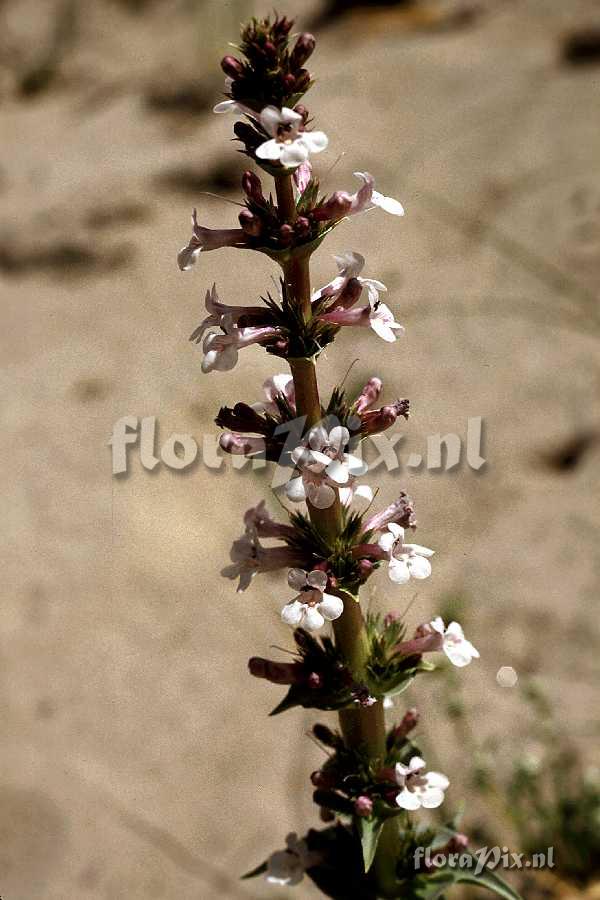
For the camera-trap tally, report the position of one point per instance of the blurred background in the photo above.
(137, 756)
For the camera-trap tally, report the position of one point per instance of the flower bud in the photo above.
(252, 187)
(232, 67)
(315, 681)
(303, 49)
(368, 394)
(286, 233)
(247, 135)
(326, 815)
(301, 109)
(277, 673)
(302, 225)
(325, 735)
(410, 720)
(365, 568)
(323, 779)
(250, 223)
(289, 82)
(363, 806)
(270, 49)
(240, 446)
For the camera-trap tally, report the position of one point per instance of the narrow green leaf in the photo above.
(369, 830)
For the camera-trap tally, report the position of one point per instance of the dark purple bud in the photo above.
(387, 774)
(252, 187)
(289, 82)
(374, 421)
(247, 135)
(325, 735)
(277, 673)
(363, 806)
(270, 49)
(326, 815)
(286, 233)
(250, 223)
(315, 681)
(323, 779)
(410, 720)
(232, 67)
(303, 49)
(302, 225)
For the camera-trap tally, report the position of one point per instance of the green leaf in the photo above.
(435, 885)
(369, 831)
(259, 870)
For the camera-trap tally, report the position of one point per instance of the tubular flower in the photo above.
(418, 787)
(249, 557)
(207, 239)
(277, 386)
(221, 348)
(401, 511)
(434, 636)
(312, 605)
(350, 264)
(379, 317)
(287, 867)
(217, 312)
(405, 560)
(288, 145)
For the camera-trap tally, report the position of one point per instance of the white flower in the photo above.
(288, 145)
(457, 648)
(388, 204)
(287, 867)
(282, 386)
(312, 605)
(419, 789)
(350, 264)
(381, 320)
(405, 560)
(325, 468)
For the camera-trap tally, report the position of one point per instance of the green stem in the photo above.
(362, 727)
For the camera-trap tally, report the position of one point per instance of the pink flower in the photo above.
(207, 239)
(221, 348)
(434, 636)
(217, 312)
(401, 511)
(350, 264)
(249, 557)
(380, 318)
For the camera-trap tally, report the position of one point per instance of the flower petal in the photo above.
(316, 141)
(269, 150)
(331, 607)
(293, 154)
(386, 541)
(431, 798)
(419, 550)
(297, 579)
(398, 571)
(313, 620)
(419, 567)
(270, 119)
(408, 800)
(293, 613)
(396, 530)
(317, 579)
(337, 471)
(388, 204)
(295, 490)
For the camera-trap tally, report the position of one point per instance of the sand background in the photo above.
(137, 759)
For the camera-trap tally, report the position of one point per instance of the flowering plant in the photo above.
(374, 783)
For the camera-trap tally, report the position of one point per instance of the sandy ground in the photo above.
(137, 759)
